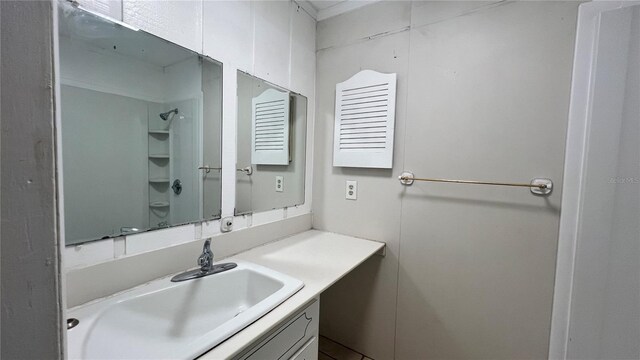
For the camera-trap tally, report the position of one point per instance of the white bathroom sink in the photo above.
(166, 320)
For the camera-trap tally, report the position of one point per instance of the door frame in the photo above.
(577, 137)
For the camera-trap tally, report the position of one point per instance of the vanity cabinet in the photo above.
(309, 351)
(296, 338)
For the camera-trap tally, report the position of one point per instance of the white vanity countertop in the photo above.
(317, 258)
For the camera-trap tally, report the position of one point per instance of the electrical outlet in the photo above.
(351, 190)
(279, 183)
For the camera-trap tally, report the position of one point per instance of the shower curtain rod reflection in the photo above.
(538, 186)
(207, 169)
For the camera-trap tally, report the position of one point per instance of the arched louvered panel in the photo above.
(270, 128)
(364, 120)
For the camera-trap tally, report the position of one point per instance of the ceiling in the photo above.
(323, 4)
(323, 9)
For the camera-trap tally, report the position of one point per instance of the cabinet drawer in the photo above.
(308, 352)
(289, 338)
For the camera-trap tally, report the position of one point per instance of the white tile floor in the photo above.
(331, 350)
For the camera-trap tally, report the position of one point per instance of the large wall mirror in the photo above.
(271, 146)
(141, 130)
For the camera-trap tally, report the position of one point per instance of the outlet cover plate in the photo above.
(351, 190)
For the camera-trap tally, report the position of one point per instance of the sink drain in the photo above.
(71, 323)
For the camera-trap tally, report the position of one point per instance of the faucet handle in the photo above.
(206, 248)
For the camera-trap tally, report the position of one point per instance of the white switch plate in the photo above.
(351, 190)
(279, 183)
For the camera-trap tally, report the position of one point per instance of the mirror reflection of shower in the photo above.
(169, 115)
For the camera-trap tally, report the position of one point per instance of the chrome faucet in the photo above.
(205, 261)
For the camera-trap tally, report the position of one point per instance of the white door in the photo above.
(597, 297)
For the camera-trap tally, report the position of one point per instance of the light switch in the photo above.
(279, 183)
(351, 191)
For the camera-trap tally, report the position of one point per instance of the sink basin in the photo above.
(182, 320)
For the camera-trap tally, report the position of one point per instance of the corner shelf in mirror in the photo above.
(158, 156)
(159, 204)
(159, 132)
(158, 180)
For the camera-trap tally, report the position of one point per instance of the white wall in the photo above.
(597, 301)
(32, 301)
(359, 311)
(104, 145)
(85, 66)
(234, 34)
(183, 80)
(483, 93)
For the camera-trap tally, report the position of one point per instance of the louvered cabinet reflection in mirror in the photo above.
(271, 143)
(270, 128)
(365, 120)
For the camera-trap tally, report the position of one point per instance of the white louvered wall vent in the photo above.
(364, 121)
(270, 128)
